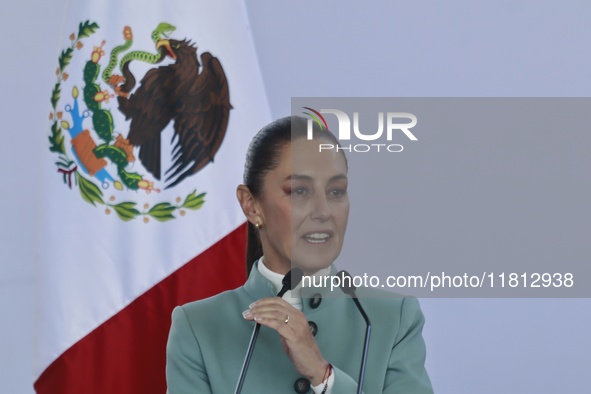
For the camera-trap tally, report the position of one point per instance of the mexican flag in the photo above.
(151, 111)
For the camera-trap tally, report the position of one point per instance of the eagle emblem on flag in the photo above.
(109, 117)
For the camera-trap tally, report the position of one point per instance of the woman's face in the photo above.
(304, 207)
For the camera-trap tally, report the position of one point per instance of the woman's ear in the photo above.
(249, 205)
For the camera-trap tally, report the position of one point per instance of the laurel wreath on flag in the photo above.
(90, 192)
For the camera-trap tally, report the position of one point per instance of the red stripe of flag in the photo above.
(127, 353)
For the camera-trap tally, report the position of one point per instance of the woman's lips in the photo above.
(317, 237)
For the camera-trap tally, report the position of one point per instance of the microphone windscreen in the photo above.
(346, 282)
(296, 275)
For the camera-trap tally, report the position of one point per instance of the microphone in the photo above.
(289, 282)
(349, 289)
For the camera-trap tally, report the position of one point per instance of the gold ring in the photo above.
(286, 319)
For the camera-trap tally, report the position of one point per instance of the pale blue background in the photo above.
(343, 48)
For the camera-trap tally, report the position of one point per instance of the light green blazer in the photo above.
(209, 338)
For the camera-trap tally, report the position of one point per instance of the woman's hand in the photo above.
(296, 338)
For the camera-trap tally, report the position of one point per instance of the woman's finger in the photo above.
(270, 308)
(278, 315)
(270, 302)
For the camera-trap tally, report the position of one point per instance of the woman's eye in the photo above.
(299, 191)
(339, 192)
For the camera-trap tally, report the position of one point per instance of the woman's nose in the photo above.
(320, 208)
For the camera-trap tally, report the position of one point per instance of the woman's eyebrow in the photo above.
(338, 177)
(298, 177)
(309, 178)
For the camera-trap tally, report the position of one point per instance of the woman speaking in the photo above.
(295, 200)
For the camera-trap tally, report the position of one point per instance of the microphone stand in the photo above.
(350, 290)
